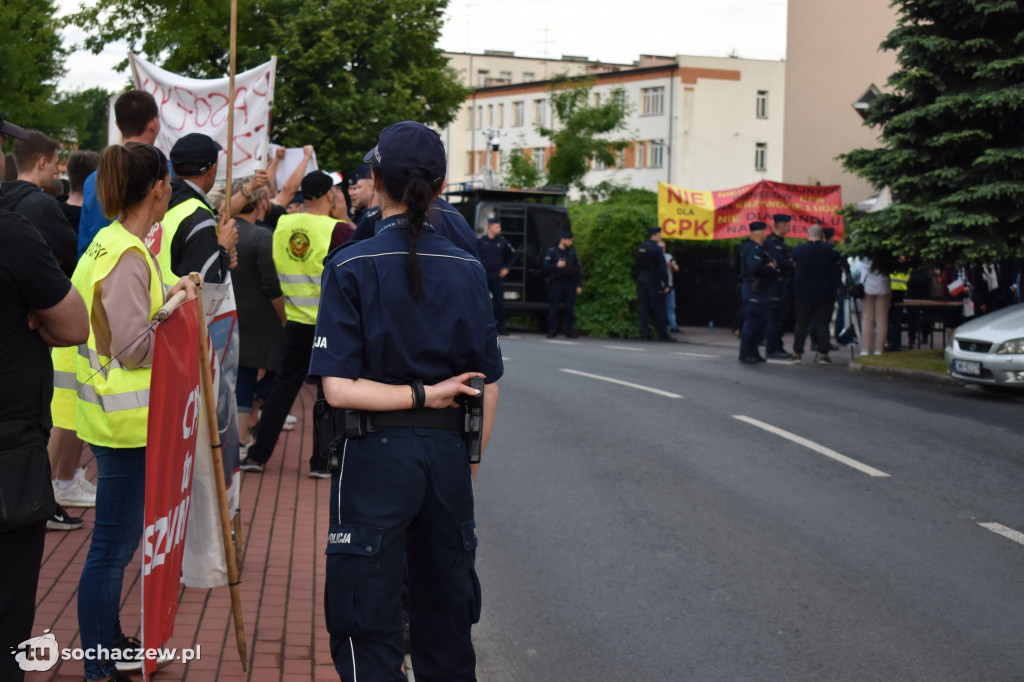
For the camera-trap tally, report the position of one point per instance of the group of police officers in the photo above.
(765, 268)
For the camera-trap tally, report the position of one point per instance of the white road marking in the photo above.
(560, 343)
(695, 355)
(656, 391)
(631, 348)
(821, 449)
(1000, 529)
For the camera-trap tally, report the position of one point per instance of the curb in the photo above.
(915, 374)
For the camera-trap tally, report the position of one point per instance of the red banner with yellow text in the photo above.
(726, 214)
(175, 418)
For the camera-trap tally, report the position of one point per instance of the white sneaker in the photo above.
(81, 493)
(289, 423)
(864, 352)
(878, 352)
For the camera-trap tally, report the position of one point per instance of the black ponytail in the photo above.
(416, 193)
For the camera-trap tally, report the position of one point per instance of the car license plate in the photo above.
(968, 367)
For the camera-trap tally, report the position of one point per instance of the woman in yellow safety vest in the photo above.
(119, 279)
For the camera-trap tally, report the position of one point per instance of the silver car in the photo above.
(989, 349)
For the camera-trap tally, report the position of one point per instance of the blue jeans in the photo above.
(120, 499)
(670, 309)
(247, 387)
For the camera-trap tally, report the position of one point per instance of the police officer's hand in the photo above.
(503, 272)
(579, 290)
(443, 394)
(561, 262)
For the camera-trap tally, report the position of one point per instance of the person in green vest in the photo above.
(189, 238)
(120, 282)
(301, 242)
(898, 282)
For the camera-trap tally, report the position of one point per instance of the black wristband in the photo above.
(421, 393)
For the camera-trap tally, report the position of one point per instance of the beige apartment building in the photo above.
(695, 122)
(832, 60)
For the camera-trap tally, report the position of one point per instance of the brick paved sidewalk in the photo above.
(284, 533)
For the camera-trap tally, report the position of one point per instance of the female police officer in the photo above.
(404, 323)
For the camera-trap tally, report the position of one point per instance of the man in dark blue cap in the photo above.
(775, 245)
(564, 274)
(758, 272)
(190, 239)
(497, 257)
(651, 274)
(364, 201)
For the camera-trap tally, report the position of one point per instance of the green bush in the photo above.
(606, 236)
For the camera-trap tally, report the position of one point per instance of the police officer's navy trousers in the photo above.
(402, 492)
(754, 304)
(650, 295)
(561, 293)
(497, 288)
(776, 317)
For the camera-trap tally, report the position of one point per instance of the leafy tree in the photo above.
(345, 69)
(31, 60)
(952, 144)
(521, 170)
(585, 127)
(84, 115)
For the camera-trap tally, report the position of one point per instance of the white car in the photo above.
(989, 349)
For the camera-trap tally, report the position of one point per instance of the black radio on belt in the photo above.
(473, 427)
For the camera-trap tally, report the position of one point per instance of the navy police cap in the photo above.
(781, 218)
(361, 172)
(653, 230)
(409, 146)
(758, 225)
(565, 234)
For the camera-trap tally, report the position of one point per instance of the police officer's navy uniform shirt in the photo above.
(451, 224)
(775, 246)
(369, 326)
(755, 263)
(656, 268)
(495, 254)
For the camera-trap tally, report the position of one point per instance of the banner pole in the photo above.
(206, 377)
(231, 108)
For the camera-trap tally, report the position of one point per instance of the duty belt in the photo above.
(448, 418)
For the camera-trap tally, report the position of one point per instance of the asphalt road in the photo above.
(629, 535)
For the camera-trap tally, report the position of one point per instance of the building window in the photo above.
(481, 77)
(762, 104)
(518, 114)
(653, 101)
(620, 158)
(539, 111)
(528, 76)
(506, 76)
(657, 154)
(490, 114)
(501, 115)
(539, 159)
(760, 154)
(480, 116)
(597, 99)
(641, 156)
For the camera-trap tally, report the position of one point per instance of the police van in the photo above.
(531, 220)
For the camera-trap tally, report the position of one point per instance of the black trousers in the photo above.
(298, 346)
(22, 552)
(497, 288)
(818, 312)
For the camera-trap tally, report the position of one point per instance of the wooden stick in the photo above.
(231, 109)
(172, 304)
(206, 375)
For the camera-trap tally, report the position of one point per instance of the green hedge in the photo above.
(606, 236)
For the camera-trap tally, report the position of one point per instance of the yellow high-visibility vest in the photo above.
(301, 242)
(65, 387)
(112, 409)
(170, 223)
(898, 281)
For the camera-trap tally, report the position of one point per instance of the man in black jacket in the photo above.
(37, 156)
(814, 288)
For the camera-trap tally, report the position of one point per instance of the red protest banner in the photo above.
(726, 214)
(175, 414)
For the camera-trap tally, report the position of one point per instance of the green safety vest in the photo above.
(65, 387)
(898, 281)
(113, 401)
(170, 223)
(301, 242)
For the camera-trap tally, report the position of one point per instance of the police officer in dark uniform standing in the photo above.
(405, 323)
(651, 284)
(778, 290)
(759, 271)
(497, 256)
(564, 274)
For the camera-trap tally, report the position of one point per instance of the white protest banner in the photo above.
(191, 105)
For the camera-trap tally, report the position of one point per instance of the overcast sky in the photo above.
(599, 29)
